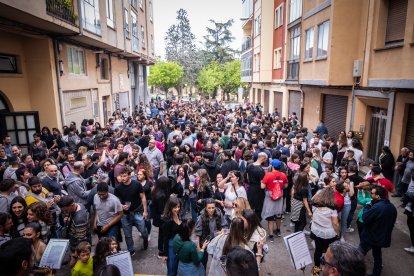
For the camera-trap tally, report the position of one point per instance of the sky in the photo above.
(199, 13)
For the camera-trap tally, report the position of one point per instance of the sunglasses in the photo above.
(324, 262)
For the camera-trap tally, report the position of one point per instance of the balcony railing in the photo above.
(62, 9)
(293, 70)
(247, 44)
(247, 8)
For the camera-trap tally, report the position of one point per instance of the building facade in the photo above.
(64, 61)
(346, 62)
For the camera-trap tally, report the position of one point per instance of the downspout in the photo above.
(351, 123)
(302, 97)
(80, 17)
(123, 17)
(112, 84)
(56, 55)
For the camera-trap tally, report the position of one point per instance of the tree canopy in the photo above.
(231, 80)
(218, 39)
(165, 75)
(210, 78)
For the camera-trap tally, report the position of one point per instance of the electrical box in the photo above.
(357, 72)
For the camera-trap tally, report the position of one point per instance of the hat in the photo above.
(261, 145)
(276, 163)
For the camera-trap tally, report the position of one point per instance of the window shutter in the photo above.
(397, 15)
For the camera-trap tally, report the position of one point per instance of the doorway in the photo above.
(377, 132)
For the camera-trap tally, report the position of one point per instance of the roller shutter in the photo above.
(294, 102)
(266, 101)
(409, 129)
(334, 113)
(278, 101)
(396, 21)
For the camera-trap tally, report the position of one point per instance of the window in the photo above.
(20, 126)
(141, 4)
(134, 31)
(323, 35)
(78, 102)
(8, 64)
(90, 16)
(104, 68)
(152, 44)
(396, 21)
(76, 61)
(277, 58)
(309, 35)
(279, 16)
(133, 3)
(110, 13)
(126, 16)
(295, 10)
(143, 37)
(293, 64)
(150, 11)
(257, 25)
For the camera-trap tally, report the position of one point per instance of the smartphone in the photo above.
(208, 238)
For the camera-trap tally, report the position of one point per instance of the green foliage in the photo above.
(218, 39)
(210, 78)
(232, 78)
(165, 75)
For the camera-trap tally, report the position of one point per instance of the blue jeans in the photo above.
(112, 232)
(344, 218)
(172, 261)
(354, 204)
(156, 173)
(128, 221)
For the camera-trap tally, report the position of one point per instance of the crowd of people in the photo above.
(207, 178)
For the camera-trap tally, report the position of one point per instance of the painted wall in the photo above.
(399, 122)
(266, 41)
(279, 39)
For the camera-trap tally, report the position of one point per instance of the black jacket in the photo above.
(228, 166)
(212, 170)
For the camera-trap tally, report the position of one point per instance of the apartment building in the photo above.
(349, 63)
(66, 60)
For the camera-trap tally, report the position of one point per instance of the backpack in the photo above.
(277, 192)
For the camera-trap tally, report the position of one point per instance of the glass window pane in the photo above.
(30, 120)
(12, 135)
(22, 137)
(20, 122)
(30, 133)
(10, 122)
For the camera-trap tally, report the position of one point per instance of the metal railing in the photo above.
(62, 9)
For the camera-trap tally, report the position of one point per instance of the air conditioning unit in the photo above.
(357, 71)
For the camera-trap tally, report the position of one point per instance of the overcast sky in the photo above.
(199, 13)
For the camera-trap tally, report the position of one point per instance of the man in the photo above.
(328, 172)
(234, 141)
(379, 179)
(10, 172)
(255, 174)
(7, 145)
(342, 258)
(108, 212)
(76, 219)
(69, 166)
(155, 157)
(273, 209)
(37, 193)
(144, 141)
(16, 257)
(176, 131)
(262, 149)
(327, 156)
(400, 167)
(17, 151)
(7, 187)
(321, 129)
(406, 178)
(134, 204)
(210, 166)
(76, 185)
(51, 181)
(228, 164)
(379, 217)
(91, 169)
(6, 224)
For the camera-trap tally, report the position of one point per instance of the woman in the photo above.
(32, 231)
(294, 162)
(387, 163)
(186, 192)
(221, 245)
(219, 195)
(325, 226)
(234, 189)
(199, 142)
(300, 205)
(18, 212)
(240, 204)
(254, 231)
(48, 138)
(44, 165)
(209, 224)
(204, 191)
(38, 212)
(188, 253)
(37, 148)
(102, 250)
(170, 227)
(343, 174)
(143, 163)
(147, 187)
(342, 147)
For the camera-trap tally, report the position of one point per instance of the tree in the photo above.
(210, 78)
(180, 48)
(231, 78)
(218, 39)
(165, 75)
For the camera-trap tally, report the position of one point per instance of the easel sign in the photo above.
(298, 250)
(123, 261)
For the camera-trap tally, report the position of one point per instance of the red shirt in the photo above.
(339, 200)
(389, 187)
(272, 178)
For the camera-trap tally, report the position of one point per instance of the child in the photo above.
(84, 264)
(114, 245)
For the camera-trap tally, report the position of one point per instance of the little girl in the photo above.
(84, 263)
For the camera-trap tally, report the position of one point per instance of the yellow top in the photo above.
(31, 199)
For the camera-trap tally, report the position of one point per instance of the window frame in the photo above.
(126, 23)
(257, 25)
(150, 11)
(325, 26)
(77, 52)
(134, 35)
(13, 60)
(279, 16)
(295, 10)
(94, 28)
(309, 45)
(277, 58)
(143, 37)
(110, 13)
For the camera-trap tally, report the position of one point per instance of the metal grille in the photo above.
(377, 133)
(294, 102)
(278, 102)
(334, 113)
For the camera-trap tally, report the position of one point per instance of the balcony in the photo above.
(247, 8)
(62, 9)
(293, 70)
(247, 44)
(246, 67)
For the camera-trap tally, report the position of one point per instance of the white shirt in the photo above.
(322, 225)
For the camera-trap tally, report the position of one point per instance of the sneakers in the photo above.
(132, 253)
(409, 249)
(278, 233)
(159, 256)
(145, 244)
(350, 230)
(271, 238)
(342, 239)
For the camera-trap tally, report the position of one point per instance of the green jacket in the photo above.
(187, 251)
(363, 199)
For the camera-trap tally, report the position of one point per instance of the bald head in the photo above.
(52, 170)
(78, 167)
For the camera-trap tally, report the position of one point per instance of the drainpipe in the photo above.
(56, 55)
(123, 18)
(112, 84)
(351, 123)
(301, 106)
(80, 17)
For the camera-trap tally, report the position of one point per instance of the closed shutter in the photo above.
(396, 19)
(278, 102)
(294, 103)
(259, 96)
(334, 113)
(266, 101)
(409, 129)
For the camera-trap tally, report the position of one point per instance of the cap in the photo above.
(260, 145)
(276, 164)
